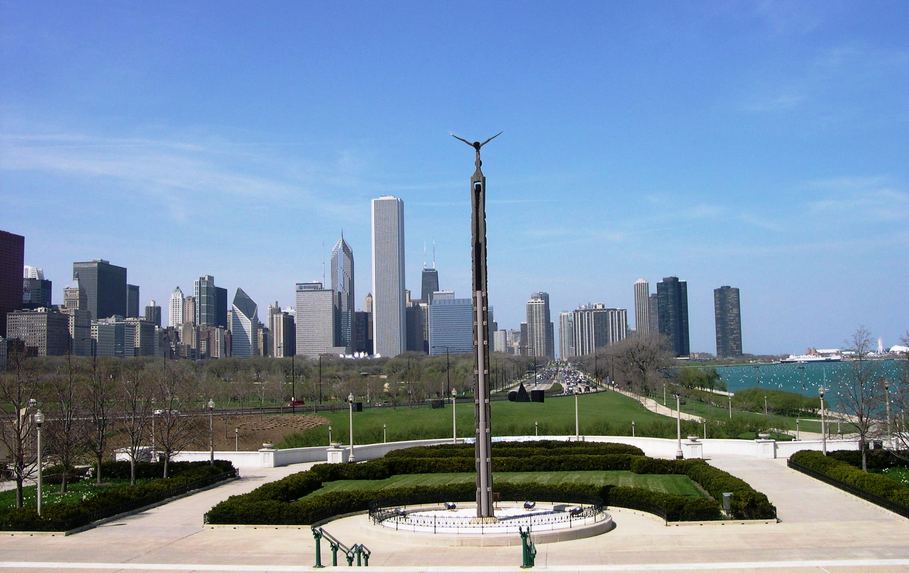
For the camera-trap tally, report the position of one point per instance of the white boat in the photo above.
(803, 358)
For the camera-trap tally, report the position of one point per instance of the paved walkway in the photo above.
(656, 407)
(823, 529)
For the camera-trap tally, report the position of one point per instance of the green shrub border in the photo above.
(118, 499)
(874, 488)
(284, 501)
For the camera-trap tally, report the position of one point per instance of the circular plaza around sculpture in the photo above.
(458, 524)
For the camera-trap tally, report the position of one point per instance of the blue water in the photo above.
(804, 378)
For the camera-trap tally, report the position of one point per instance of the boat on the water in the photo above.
(803, 358)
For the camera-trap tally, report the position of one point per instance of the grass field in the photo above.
(76, 492)
(602, 413)
(674, 484)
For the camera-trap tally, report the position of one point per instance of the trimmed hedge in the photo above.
(518, 449)
(876, 459)
(872, 487)
(117, 499)
(286, 502)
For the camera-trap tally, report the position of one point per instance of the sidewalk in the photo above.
(656, 407)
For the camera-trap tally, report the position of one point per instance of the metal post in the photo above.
(447, 372)
(887, 406)
(536, 429)
(39, 421)
(293, 383)
(577, 426)
(320, 379)
(454, 418)
(317, 533)
(765, 404)
(632, 428)
(678, 429)
(211, 431)
(384, 434)
(237, 439)
(823, 425)
(797, 433)
(350, 399)
(329, 435)
(730, 406)
(664, 393)
(705, 429)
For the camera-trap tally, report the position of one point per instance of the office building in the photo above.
(642, 307)
(363, 330)
(500, 341)
(591, 329)
(74, 297)
(104, 285)
(342, 282)
(175, 308)
(451, 326)
(144, 336)
(283, 331)
(132, 301)
(417, 338)
(316, 320)
(211, 302)
(616, 325)
(12, 261)
(189, 310)
(153, 313)
(388, 324)
(728, 317)
(539, 326)
(36, 290)
(653, 307)
(221, 307)
(567, 348)
(80, 330)
(430, 283)
(244, 326)
(212, 341)
(44, 332)
(673, 313)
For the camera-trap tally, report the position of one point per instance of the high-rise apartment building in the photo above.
(342, 282)
(12, 261)
(283, 331)
(591, 328)
(673, 313)
(389, 334)
(567, 348)
(727, 313)
(189, 310)
(451, 326)
(153, 313)
(616, 325)
(206, 294)
(36, 290)
(539, 326)
(316, 320)
(654, 310)
(642, 307)
(430, 284)
(244, 326)
(104, 285)
(45, 332)
(175, 308)
(132, 301)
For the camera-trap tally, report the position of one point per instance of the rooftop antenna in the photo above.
(424, 254)
(433, 254)
(323, 264)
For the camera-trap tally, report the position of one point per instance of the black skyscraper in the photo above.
(430, 284)
(105, 287)
(132, 301)
(221, 308)
(728, 316)
(12, 260)
(673, 313)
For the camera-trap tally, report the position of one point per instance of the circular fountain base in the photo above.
(548, 522)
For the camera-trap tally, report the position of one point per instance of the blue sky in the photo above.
(758, 144)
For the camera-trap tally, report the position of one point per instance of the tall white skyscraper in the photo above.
(388, 276)
(316, 320)
(642, 307)
(539, 326)
(175, 308)
(244, 326)
(567, 348)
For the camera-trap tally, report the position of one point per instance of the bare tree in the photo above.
(175, 430)
(861, 391)
(99, 400)
(65, 430)
(898, 393)
(136, 403)
(17, 391)
(639, 360)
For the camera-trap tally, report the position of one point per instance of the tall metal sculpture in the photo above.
(481, 344)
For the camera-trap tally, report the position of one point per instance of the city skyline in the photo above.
(671, 156)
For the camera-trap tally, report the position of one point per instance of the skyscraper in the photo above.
(591, 328)
(727, 313)
(451, 326)
(653, 308)
(342, 282)
(104, 285)
(189, 310)
(132, 301)
(244, 326)
(283, 331)
(220, 307)
(36, 290)
(12, 261)
(74, 297)
(175, 308)
(206, 294)
(430, 284)
(539, 326)
(616, 325)
(153, 313)
(642, 307)
(566, 335)
(388, 276)
(316, 320)
(673, 312)
(44, 332)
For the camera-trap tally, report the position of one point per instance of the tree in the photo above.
(136, 404)
(861, 390)
(66, 430)
(17, 391)
(99, 399)
(640, 360)
(899, 400)
(175, 430)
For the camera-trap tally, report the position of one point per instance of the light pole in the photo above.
(447, 368)
(765, 404)
(577, 426)
(329, 435)
(632, 428)
(820, 391)
(350, 399)
(798, 435)
(454, 418)
(678, 428)
(211, 431)
(39, 420)
(536, 429)
(236, 439)
(730, 405)
(384, 433)
(705, 429)
(887, 406)
(664, 393)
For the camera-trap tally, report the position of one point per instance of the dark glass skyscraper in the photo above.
(727, 313)
(342, 282)
(12, 260)
(672, 295)
(105, 287)
(221, 307)
(430, 284)
(206, 301)
(132, 301)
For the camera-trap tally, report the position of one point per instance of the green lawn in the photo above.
(673, 484)
(603, 413)
(77, 491)
(900, 475)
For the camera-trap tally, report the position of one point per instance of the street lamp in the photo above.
(237, 439)
(765, 404)
(678, 428)
(632, 428)
(577, 427)
(329, 435)
(350, 399)
(39, 420)
(797, 433)
(211, 431)
(536, 429)
(730, 404)
(454, 419)
(820, 391)
(384, 434)
(447, 368)
(887, 406)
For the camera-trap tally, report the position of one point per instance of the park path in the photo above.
(656, 407)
